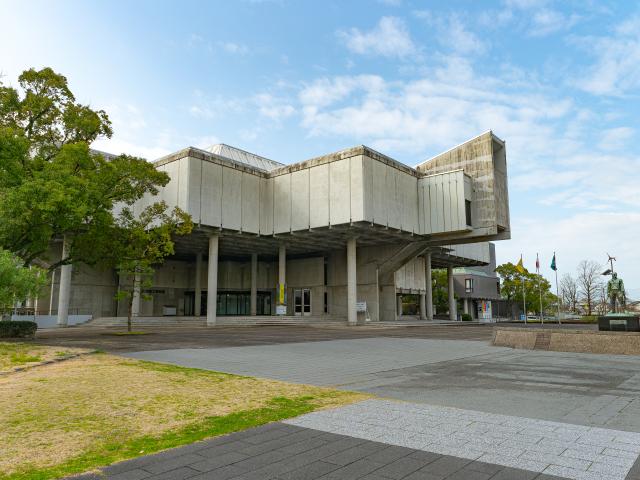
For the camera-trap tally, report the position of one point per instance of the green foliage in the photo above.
(466, 317)
(17, 282)
(51, 183)
(140, 243)
(511, 287)
(17, 329)
(440, 290)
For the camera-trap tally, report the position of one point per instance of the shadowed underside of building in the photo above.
(334, 238)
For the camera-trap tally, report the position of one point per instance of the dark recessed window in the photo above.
(467, 211)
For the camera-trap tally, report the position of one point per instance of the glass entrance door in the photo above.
(302, 301)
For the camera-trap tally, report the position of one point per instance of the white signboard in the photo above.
(361, 306)
(281, 309)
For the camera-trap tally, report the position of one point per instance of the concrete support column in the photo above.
(282, 277)
(212, 280)
(466, 305)
(53, 283)
(254, 284)
(423, 307)
(352, 288)
(135, 302)
(399, 305)
(64, 290)
(197, 307)
(428, 279)
(453, 315)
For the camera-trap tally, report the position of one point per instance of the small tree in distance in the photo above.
(141, 244)
(17, 282)
(589, 282)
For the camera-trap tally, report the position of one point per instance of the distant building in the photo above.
(478, 288)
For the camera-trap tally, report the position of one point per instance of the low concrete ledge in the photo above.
(568, 340)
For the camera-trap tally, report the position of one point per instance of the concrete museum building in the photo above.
(332, 239)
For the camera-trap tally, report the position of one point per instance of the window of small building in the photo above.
(467, 211)
(468, 285)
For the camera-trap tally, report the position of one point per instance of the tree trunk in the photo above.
(129, 312)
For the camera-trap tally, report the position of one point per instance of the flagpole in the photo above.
(539, 289)
(557, 291)
(524, 300)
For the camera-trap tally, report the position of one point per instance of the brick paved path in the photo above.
(288, 452)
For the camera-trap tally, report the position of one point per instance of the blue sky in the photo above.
(290, 80)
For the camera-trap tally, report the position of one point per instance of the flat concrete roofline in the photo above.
(488, 132)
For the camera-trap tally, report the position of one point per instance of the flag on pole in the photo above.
(537, 264)
(553, 262)
(520, 266)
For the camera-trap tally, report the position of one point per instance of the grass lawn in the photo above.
(97, 409)
(23, 354)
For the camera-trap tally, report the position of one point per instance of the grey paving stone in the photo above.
(224, 473)
(515, 474)
(310, 472)
(178, 474)
(172, 463)
(466, 474)
(348, 456)
(135, 474)
(389, 454)
(217, 461)
(400, 468)
(446, 465)
(357, 469)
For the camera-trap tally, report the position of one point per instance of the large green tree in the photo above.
(51, 183)
(140, 243)
(511, 288)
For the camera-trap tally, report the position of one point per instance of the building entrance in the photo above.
(230, 303)
(302, 301)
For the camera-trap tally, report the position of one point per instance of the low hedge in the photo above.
(466, 317)
(17, 328)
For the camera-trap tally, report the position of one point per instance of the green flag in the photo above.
(553, 262)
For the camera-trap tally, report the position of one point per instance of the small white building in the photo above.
(334, 238)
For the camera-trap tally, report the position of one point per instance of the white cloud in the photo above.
(452, 33)
(547, 21)
(616, 70)
(234, 48)
(616, 138)
(390, 38)
(272, 107)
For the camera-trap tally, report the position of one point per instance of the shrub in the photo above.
(466, 317)
(18, 328)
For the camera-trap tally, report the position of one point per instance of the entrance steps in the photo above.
(229, 321)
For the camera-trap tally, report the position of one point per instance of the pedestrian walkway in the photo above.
(282, 451)
(553, 448)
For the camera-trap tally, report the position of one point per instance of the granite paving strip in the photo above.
(291, 452)
(570, 451)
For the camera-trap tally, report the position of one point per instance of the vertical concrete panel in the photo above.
(357, 188)
(300, 200)
(339, 199)
(394, 218)
(250, 203)
(367, 185)
(170, 191)
(266, 206)
(183, 184)
(211, 196)
(379, 193)
(231, 198)
(319, 196)
(194, 187)
(440, 206)
(446, 191)
(282, 204)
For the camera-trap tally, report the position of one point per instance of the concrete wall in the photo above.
(411, 277)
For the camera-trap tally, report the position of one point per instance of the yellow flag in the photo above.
(519, 266)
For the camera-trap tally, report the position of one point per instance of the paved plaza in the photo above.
(443, 409)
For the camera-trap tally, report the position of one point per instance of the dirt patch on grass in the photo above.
(55, 413)
(20, 354)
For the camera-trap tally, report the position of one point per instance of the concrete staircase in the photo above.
(190, 322)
